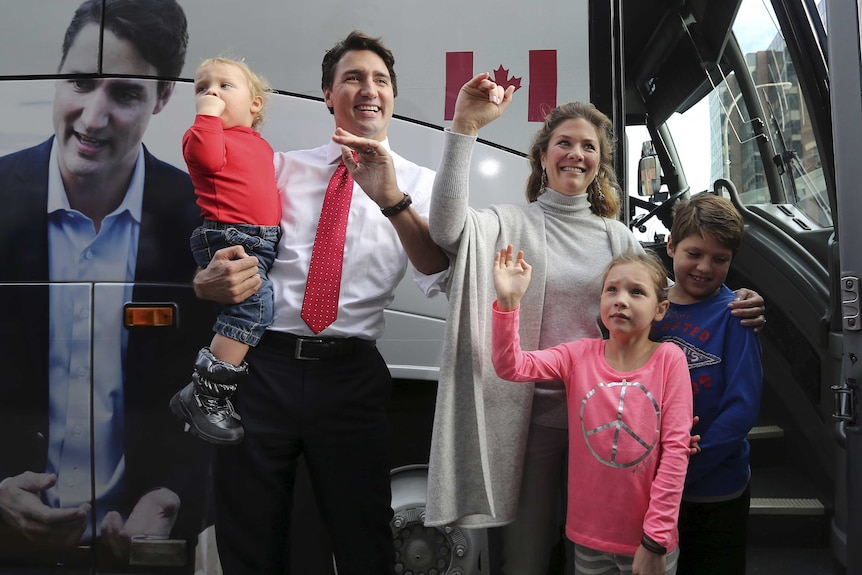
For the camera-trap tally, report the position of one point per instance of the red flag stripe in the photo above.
(459, 69)
(543, 84)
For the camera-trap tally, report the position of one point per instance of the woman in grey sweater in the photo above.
(498, 453)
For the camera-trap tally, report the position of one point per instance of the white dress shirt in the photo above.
(374, 259)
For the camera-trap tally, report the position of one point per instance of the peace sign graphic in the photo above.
(620, 422)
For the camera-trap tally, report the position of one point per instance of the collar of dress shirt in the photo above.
(333, 151)
(132, 201)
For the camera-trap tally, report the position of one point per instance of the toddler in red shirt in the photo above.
(232, 169)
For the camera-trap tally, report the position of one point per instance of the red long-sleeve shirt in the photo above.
(233, 174)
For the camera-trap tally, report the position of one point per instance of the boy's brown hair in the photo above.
(707, 213)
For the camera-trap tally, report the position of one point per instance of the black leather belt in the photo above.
(315, 348)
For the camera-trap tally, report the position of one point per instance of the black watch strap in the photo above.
(399, 207)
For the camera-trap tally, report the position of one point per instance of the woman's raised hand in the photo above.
(480, 102)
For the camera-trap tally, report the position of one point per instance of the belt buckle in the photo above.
(297, 352)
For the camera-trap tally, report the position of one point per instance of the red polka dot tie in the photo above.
(320, 303)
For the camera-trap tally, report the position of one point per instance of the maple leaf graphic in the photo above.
(501, 77)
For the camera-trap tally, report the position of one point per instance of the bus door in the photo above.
(736, 105)
(843, 31)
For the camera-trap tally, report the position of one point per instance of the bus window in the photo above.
(718, 137)
(785, 118)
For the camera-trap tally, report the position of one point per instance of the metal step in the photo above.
(783, 512)
(768, 445)
(786, 506)
(765, 432)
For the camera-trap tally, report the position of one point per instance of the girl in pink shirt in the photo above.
(630, 410)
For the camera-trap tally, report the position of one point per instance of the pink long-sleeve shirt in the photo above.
(628, 435)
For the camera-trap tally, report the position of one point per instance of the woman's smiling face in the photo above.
(572, 158)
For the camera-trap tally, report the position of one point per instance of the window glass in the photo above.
(786, 120)
(716, 138)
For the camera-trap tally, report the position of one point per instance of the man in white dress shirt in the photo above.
(323, 394)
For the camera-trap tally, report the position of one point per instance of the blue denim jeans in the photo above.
(246, 321)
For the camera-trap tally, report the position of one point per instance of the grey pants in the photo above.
(528, 541)
(592, 562)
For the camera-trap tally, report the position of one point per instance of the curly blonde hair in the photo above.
(257, 84)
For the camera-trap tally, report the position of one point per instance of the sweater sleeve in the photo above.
(449, 197)
(740, 402)
(512, 364)
(660, 521)
(204, 145)
(622, 239)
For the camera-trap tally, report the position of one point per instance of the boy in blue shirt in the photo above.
(726, 379)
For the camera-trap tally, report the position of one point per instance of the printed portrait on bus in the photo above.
(93, 226)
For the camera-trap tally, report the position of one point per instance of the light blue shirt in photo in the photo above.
(91, 276)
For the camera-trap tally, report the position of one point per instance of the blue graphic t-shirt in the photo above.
(726, 380)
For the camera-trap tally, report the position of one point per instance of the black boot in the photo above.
(204, 404)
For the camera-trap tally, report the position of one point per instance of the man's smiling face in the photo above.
(361, 94)
(99, 123)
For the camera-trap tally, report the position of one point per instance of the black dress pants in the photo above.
(713, 537)
(332, 411)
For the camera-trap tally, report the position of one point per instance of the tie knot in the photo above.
(342, 166)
